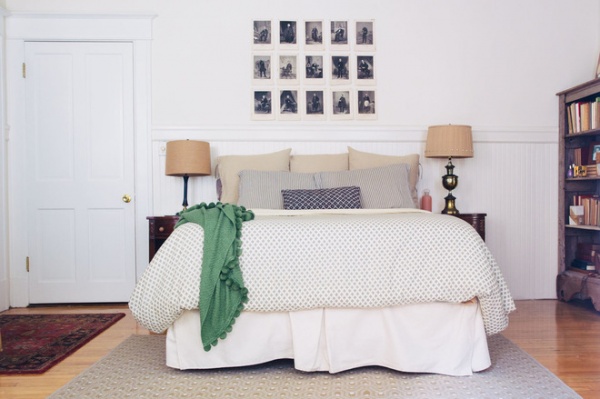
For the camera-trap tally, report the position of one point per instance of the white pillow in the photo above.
(229, 166)
(262, 189)
(380, 188)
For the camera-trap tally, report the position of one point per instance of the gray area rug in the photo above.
(136, 369)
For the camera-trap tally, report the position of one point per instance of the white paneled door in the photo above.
(80, 176)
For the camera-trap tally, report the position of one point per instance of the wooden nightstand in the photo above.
(160, 229)
(477, 220)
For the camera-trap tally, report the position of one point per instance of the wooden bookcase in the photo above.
(572, 283)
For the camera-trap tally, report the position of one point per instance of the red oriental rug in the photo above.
(33, 343)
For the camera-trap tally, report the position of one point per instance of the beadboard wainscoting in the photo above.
(512, 177)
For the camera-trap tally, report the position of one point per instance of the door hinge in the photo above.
(24, 68)
(27, 264)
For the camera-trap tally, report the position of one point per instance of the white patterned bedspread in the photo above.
(352, 259)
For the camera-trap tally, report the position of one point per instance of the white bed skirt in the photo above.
(440, 338)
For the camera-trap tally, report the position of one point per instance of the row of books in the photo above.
(585, 210)
(587, 257)
(583, 116)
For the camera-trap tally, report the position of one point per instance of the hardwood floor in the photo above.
(565, 338)
(41, 386)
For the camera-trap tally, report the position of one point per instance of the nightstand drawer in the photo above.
(477, 220)
(159, 229)
(162, 226)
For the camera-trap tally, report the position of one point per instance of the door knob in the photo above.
(126, 198)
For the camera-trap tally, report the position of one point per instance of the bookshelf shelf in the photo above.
(583, 227)
(591, 132)
(570, 179)
(579, 133)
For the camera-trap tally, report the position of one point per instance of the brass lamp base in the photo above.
(450, 208)
(185, 186)
(450, 181)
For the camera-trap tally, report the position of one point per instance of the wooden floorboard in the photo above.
(41, 386)
(565, 338)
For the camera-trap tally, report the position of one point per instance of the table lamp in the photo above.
(187, 158)
(449, 141)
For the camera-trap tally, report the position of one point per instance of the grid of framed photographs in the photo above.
(313, 70)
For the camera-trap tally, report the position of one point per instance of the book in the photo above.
(586, 272)
(589, 213)
(583, 265)
(596, 119)
(595, 114)
(588, 247)
(569, 121)
(585, 115)
(576, 215)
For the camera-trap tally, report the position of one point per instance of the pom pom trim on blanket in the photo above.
(222, 291)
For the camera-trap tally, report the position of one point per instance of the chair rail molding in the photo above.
(340, 133)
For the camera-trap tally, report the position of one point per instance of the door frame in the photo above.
(23, 27)
(4, 275)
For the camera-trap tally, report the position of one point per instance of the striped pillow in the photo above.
(365, 160)
(262, 189)
(380, 188)
(322, 198)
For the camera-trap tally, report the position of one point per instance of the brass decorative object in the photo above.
(448, 141)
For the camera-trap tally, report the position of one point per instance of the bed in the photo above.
(378, 283)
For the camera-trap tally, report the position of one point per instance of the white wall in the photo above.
(494, 65)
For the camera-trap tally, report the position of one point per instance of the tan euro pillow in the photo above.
(318, 163)
(365, 160)
(229, 166)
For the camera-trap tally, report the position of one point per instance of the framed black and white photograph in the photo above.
(315, 104)
(289, 105)
(366, 105)
(341, 104)
(313, 69)
(262, 105)
(593, 151)
(339, 35)
(261, 69)
(313, 73)
(288, 68)
(313, 35)
(365, 36)
(365, 69)
(340, 69)
(288, 34)
(262, 34)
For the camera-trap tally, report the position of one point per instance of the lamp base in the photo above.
(185, 186)
(450, 208)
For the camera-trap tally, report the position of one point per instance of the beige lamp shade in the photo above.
(449, 141)
(188, 157)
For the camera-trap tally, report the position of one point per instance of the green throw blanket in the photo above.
(222, 291)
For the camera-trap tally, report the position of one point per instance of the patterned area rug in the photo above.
(33, 343)
(137, 369)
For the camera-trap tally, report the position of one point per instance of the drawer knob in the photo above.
(161, 229)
